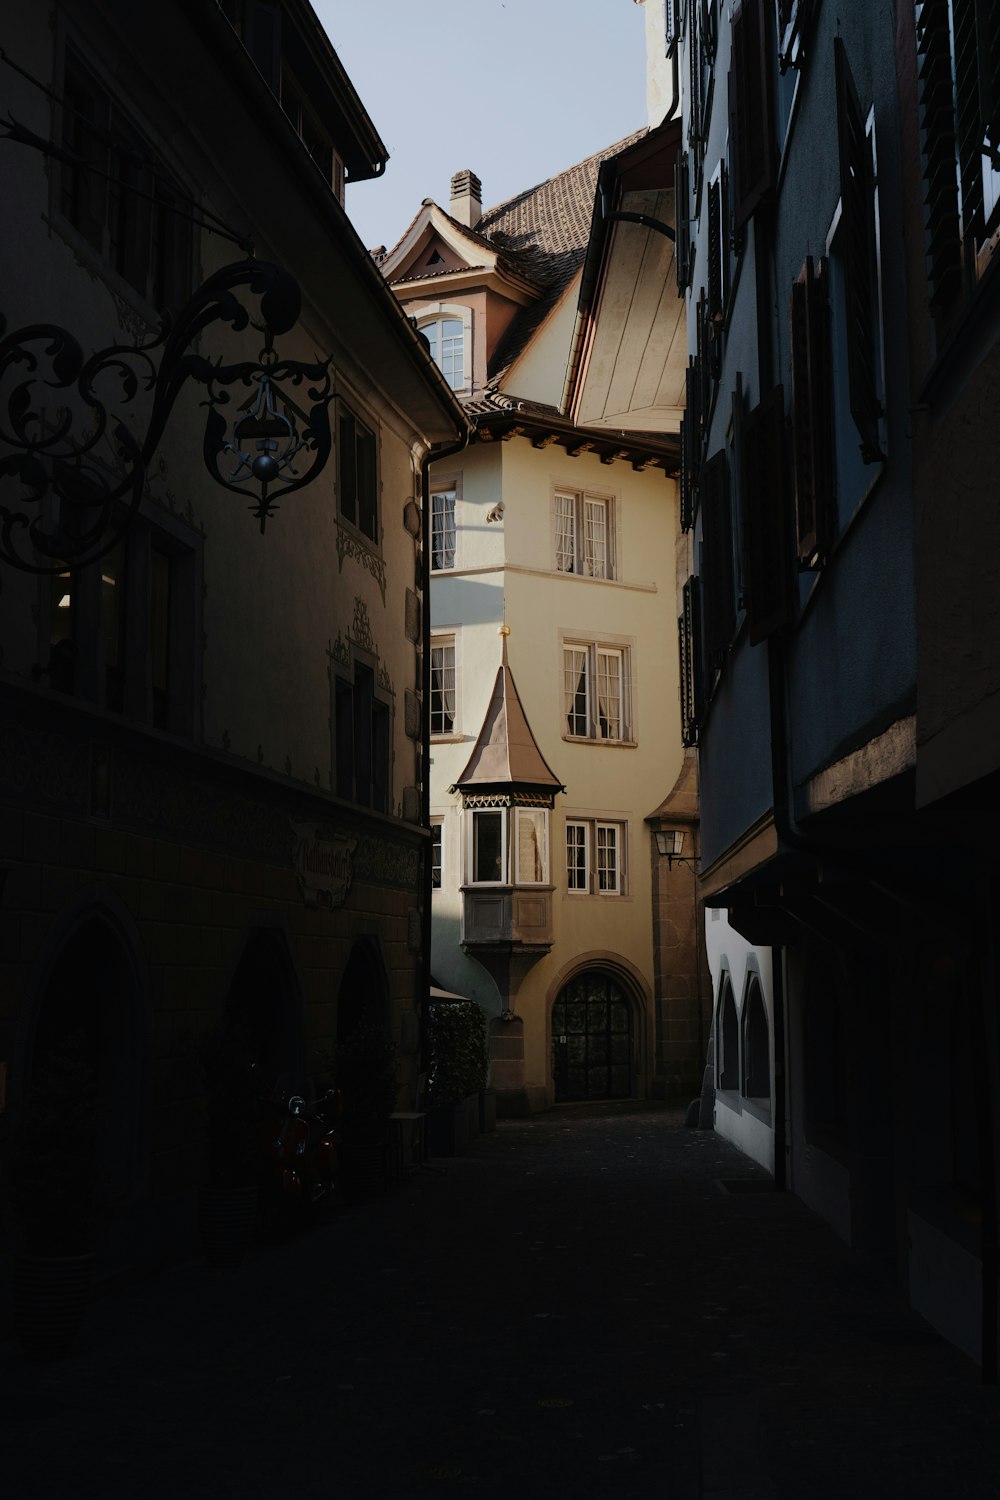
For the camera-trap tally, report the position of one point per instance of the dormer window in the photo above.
(447, 327)
(447, 341)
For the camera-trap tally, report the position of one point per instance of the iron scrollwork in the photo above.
(72, 478)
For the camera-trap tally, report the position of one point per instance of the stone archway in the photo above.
(87, 1066)
(363, 996)
(593, 1038)
(264, 1004)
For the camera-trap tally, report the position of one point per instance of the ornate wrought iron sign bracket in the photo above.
(78, 432)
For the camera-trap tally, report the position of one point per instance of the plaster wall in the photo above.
(512, 565)
(539, 374)
(730, 954)
(659, 73)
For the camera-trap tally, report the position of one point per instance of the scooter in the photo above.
(297, 1157)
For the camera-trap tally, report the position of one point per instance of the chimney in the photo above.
(466, 198)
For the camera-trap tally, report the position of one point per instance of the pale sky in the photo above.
(514, 90)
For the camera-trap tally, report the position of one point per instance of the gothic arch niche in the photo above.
(595, 1037)
(363, 996)
(91, 1039)
(756, 1046)
(264, 1004)
(728, 1033)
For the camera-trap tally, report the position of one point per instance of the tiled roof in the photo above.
(546, 230)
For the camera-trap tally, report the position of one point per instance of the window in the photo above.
(756, 1047)
(812, 413)
(856, 249)
(443, 529)
(361, 740)
(489, 846)
(957, 50)
(357, 473)
(437, 853)
(595, 857)
(531, 856)
(121, 631)
(120, 198)
(584, 534)
(446, 337)
(751, 130)
(597, 691)
(443, 685)
(689, 641)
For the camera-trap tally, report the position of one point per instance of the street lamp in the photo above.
(670, 845)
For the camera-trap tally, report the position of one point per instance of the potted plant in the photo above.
(459, 1064)
(364, 1072)
(227, 1205)
(48, 1186)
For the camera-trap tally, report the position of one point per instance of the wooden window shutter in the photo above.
(262, 39)
(692, 413)
(988, 29)
(939, 151)
(765, 522)
(751, 127)
(717, 559)
(970, 124)
(812, 413)
(793, 18)
(672, 21)
(682, 222)
(686, 479)
(689, 643)
(858, 231)
(715, 248)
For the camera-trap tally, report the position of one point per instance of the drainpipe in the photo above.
(432, 456)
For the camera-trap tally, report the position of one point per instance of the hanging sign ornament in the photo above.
(78, 433)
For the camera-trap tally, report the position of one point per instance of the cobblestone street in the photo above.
(579, 1306)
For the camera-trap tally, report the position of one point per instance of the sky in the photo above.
(514, 90)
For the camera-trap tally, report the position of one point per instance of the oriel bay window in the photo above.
(508, 845)
(597, 691)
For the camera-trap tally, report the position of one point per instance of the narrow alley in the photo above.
(594, 1302)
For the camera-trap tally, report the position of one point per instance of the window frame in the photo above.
(355, 741)
(365, 439)
(592, 827)
(579, 500)
(520, 812)
(437, 855)
(473, 816)
(438, 489)
(438, 312)
(152, 234)
(442, 640)
(596, 651)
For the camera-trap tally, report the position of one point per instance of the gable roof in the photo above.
(548, 228)
(539, 237)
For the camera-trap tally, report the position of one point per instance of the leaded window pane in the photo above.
(443, 529)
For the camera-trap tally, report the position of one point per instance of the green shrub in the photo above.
(459, 1057)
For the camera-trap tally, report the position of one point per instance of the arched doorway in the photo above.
(263, 1004)
(592, 1040)
(364, 991)
(87, 1078)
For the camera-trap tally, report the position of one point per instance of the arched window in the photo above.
(446, 337)
(756, 1047)
(728, 1036)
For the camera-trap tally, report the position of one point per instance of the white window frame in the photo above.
(437, 853)
(475, 813)
(597, 655)
(573, 512)
(439, 642)
(532, 813)
(438, 492)
(594, 831)
(438, 312)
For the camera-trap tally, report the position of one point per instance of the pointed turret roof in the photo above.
(506, 755)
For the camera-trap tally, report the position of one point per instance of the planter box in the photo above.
(487, 1110)
(448, 1132)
